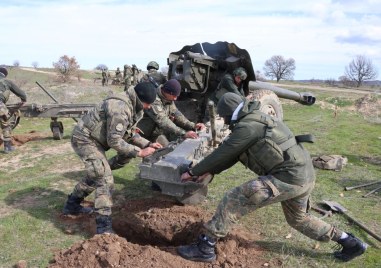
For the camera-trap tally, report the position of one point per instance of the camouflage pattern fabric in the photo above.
(98, 175)
(289, 182)
(109, 125)
(5, 126)
(164, 119)
(6, 87)
(264, 191)
(104, 78)
(157, 76)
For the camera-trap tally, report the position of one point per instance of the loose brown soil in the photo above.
(147, 234)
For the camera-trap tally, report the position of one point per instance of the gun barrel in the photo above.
(303, 98)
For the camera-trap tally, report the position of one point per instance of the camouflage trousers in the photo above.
(98, 174)
(4, 122)
(264, 191)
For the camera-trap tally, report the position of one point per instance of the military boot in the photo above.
(8, 147)
(351, 248)
(104, 224)
(73, 206)
(203, 250)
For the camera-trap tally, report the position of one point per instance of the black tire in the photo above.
(57, 134)
(270, 103)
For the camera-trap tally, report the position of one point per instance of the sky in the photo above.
(322, 36)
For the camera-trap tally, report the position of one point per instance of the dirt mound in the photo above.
(370, 107)
(148, 232)
(20, 139)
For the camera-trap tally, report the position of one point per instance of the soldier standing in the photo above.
(267, 147)
(104, 77)
(135, 72)
(7, 86)
(164, 119)
(110, 125)
(153, 72)
(127, 74)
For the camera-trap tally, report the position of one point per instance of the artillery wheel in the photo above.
(57, 134)
(270, 103)
(57, 129)
(195, 197)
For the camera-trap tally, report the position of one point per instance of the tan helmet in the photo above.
(152, 65)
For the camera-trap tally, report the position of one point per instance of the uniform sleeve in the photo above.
(158, 114)
(226, 155)
(117, 121)
(17, 91)
(228, 84)
(139, 141)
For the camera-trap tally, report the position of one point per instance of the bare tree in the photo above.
(101, 67)
(35, 64)
(66, 67)
(360, 69)
(16, 63)
(279, 68)
(259, 76)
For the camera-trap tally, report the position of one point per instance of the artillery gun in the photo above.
(165, 166)
(200, 67)
(53, 111)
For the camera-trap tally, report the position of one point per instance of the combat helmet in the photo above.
(3, 72)
(241, 72)
(152, 65)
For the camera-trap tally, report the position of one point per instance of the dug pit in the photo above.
(147, 234)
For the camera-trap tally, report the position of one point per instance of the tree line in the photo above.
(360, 69)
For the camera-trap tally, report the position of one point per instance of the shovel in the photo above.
(340, 209)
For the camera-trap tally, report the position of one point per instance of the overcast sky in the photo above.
(323, 36)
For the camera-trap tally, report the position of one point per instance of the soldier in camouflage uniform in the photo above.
(231, 83)
(153, 73)
(6, 87)
(110, 124)
(286, 175)
(127, 75)
(104, 77)
(164, 119)
(135, 73)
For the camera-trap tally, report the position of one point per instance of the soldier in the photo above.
(127, 74)
(135, 72)
(110, 125)
(153, 72)
(231, 83)
(267, 147)
(118, 74)
(104, 77)
(164, 119)
(7, 86)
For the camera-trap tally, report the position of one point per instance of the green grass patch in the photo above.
(33, 192)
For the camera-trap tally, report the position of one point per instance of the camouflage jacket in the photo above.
(112, 124)
(164, 118)
(157, 76)
(227, 85)
(6, 87)
(295, 166)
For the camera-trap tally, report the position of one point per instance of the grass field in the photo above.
(36, 179)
